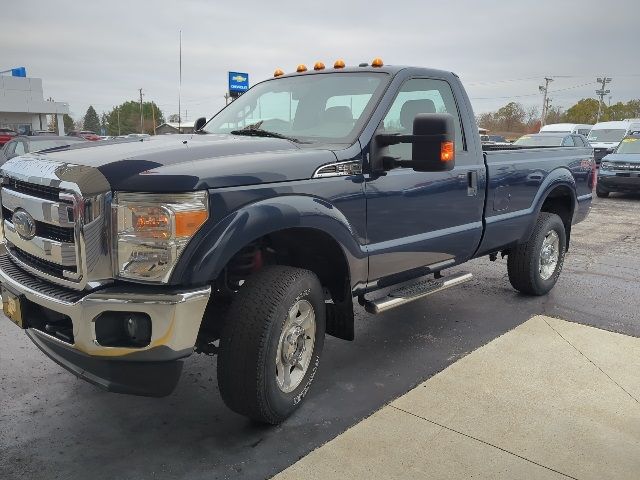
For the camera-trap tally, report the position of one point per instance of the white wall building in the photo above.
(23, 107)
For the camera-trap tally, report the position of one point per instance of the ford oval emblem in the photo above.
(24, 224)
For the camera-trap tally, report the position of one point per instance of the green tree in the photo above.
(585, 111)
(91, 120)
(511, 117)
(68, 122)
(127, 117)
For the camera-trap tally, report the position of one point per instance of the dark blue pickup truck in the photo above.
(252, 238)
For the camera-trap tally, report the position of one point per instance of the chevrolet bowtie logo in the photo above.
(239, 78)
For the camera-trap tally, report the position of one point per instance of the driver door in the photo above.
(423, 219)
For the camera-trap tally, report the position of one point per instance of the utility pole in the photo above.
(118, 111)
(544, 90)
(153, 116)
(547, 106)
(141, 116)
(601, 92)
(180, 84)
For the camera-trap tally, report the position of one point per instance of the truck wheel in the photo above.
(601, 193)
(271, 343)
(534, 266)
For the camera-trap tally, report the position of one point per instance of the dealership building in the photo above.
(23, 107)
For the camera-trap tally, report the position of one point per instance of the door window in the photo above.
(568, 142)
(20, 150)
(420, 95)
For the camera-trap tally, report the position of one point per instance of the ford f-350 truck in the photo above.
(252, 238)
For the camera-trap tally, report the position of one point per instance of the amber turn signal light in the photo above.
(447, 151)
(278, 73)
(339, 63)
(301, 68)
(318, 66)
(377, 62)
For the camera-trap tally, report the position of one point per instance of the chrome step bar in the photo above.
(413, 292)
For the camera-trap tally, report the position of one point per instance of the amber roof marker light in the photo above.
(301, 68)
(339, 63)
(377, 62)
(318, 66)
(278, 73)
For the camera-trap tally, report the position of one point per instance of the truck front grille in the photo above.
(63, 219)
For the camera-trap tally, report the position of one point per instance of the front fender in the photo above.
(213, 247)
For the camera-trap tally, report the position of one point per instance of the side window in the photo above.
(568, 142)
(10, 148)
(416, 96)
(20, 150)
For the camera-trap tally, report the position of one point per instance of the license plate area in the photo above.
(13, 305)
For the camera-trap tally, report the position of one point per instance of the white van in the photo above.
(605, 136)
(578, 128)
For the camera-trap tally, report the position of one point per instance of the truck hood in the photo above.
(622, 157)
(174, 163)
(604, 144)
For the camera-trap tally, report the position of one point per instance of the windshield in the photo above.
(539, 141)
(328, 108)
(607, 135)
(629, 145)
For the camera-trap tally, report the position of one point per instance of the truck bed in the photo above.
(518, 177)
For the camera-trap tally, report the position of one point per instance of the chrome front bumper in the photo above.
(175, 316)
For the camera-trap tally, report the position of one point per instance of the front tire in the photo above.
(600, 193)
(534, 266)
(271, 343)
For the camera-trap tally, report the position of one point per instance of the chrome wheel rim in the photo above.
(549, 255)
(295, 346)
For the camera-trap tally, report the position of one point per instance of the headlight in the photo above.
(606, 165)
(152, 230)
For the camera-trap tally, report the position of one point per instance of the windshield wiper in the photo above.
(254, 130)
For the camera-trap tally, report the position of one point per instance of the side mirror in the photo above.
(433, 144)
(201, 122)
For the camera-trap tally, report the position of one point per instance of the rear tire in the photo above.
(534, 266)
(271, 343)
(601, 193)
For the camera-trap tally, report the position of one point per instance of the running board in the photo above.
(410, 293)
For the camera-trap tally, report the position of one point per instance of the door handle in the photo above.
(472, 183)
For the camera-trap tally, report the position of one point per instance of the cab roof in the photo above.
(389, 69)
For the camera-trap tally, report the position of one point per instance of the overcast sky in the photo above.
(101, 53)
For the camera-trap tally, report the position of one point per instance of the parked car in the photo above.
(253, 238)
(86, 134)
(499, 140)
(620, 171)
(26, 144)
(137, 135)
(6, 134)
(36, 133)
(606, 136)
(579, 128)
(552, 140)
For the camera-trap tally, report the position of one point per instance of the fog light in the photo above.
(123, 329)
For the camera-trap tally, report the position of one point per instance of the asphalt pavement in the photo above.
(55, 426)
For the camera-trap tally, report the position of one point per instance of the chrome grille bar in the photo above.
(54, 213)
(50, 250)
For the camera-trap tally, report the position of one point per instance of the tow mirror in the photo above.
(433, 144)
(201, 122)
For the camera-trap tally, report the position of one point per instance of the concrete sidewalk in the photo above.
(549, 399)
